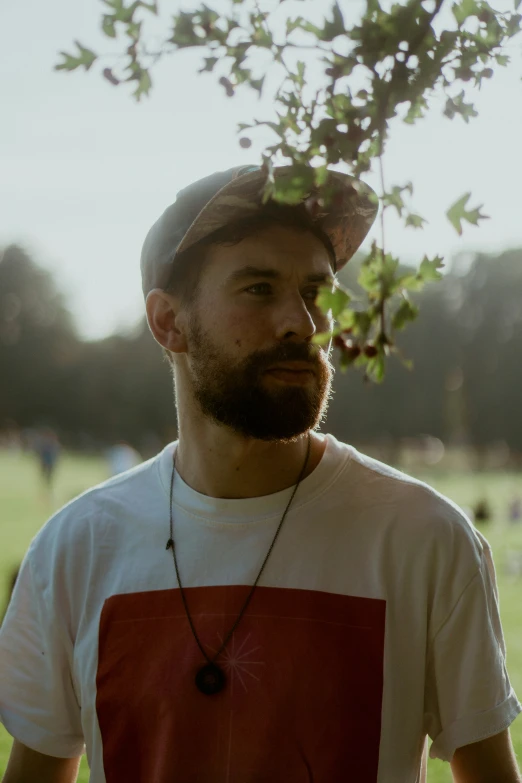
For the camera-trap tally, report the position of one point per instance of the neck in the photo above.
(222, 464)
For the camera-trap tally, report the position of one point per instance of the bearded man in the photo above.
(259, 603)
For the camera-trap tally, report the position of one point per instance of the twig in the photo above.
(383, 252)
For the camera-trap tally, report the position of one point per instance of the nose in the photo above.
(295, 320)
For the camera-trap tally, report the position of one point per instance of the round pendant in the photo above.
(210, 679)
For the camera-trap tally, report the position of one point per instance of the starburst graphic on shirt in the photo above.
(237, 662)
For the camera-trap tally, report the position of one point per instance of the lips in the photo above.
(292, 374)
(297, 367)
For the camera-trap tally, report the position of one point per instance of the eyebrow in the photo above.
(273, 274)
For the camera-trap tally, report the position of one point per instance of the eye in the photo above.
(259, 289)
(311, 294)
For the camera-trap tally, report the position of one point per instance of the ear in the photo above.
(166, 321)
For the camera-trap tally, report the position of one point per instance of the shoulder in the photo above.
(83, 524)
(426, 543)
(395, 504)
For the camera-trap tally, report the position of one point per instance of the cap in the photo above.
(228, 196)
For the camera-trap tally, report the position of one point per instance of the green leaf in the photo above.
(465, 9)
(69, 63)
(416, 110)
(334, 300)
(362, 322)
(377, 274)
(346, 319)
(133, 30)
(394, 197)
(184, 34)
(458, 212)
(209, 64)
(410, 283)
(457, 105)
(415, 221)
(257, 84)
(338, 19)
(108, 26)
(323, 338)
(292, 24)
(144, 85)
(85, 58)
(513, 25)
(406, 312)
(262, 38)
(429, 269)
(332, 28)
(293, 187)
(376, 367)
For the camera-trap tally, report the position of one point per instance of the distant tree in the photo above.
(38, 343)
(124, 391)
(490, 322)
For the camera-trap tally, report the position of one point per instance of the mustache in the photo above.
(288, 352)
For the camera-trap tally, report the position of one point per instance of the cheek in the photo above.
(235, 323)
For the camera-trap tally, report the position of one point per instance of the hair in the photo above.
(187, 267)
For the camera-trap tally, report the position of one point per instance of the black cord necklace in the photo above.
(211, 678)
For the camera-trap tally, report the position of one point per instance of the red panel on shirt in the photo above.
(303, 697)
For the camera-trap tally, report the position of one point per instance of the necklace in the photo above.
(211, 678)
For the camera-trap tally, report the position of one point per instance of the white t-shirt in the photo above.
(374, 624)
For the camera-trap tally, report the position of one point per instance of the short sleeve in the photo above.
(468, 694)
(38, 704)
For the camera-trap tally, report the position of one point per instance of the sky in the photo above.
(85, 170)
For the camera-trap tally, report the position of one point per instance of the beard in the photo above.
(236, 395)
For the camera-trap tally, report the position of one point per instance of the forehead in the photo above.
(290, 251)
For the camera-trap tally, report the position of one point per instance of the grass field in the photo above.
(24, 508)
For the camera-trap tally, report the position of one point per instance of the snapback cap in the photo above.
(228, 196)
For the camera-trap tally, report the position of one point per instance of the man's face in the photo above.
(252, 364)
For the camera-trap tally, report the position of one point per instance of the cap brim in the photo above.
(346, 220)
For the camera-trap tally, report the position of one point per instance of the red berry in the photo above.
(227, 84)
(110, 76)
(370, 351)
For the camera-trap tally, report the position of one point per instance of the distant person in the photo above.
(482, 511)
(259, 602)
(515, 510)
(121, 457)
(47, 448)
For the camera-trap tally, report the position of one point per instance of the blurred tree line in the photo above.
(465, 387)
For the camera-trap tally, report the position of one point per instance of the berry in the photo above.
(110, 76)
(227, 84)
